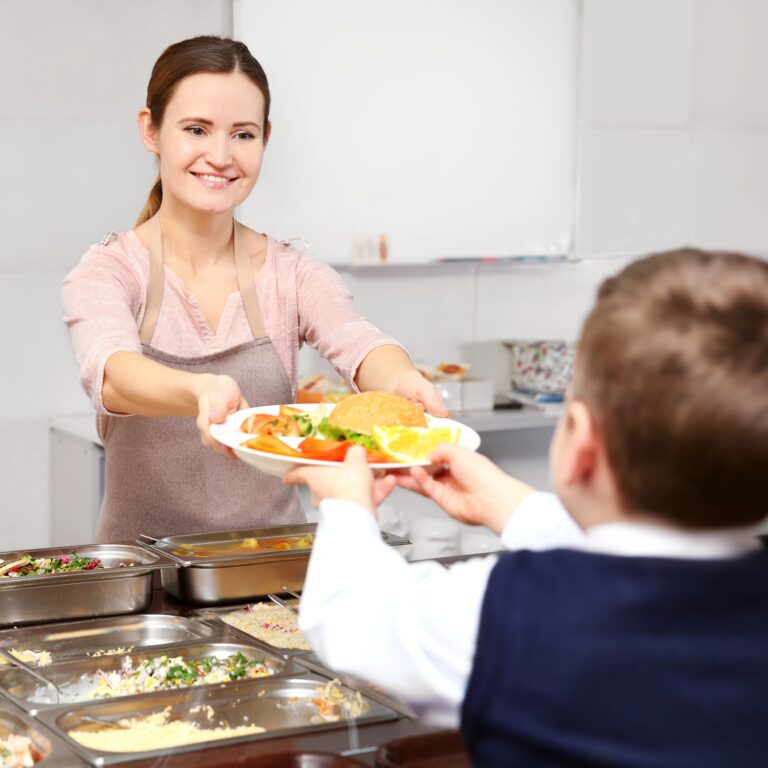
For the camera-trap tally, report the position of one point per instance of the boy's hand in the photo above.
(351, 481)
(471, 489)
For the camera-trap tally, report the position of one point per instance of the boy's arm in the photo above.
(540, 522)
(473, 490)
(409, 628)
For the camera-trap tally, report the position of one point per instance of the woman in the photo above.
(191, 315)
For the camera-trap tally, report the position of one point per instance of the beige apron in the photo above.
(159, 478)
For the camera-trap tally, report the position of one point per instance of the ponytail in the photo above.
(152, 206)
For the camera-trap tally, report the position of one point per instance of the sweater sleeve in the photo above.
(408, 628)
(329, 322)
(102, 298)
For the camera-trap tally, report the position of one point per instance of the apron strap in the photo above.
(246, 284)
(243, 271)
(156, 282)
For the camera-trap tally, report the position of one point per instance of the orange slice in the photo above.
(413, 443)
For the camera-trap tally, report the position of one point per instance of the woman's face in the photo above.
(211, 141)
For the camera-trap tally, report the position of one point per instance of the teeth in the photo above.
(209, 177)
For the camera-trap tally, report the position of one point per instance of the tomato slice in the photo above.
(327, 450)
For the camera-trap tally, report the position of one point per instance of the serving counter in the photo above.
(355, 741)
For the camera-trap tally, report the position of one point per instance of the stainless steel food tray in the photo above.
(73, 677)
(75, 639)
(214, 615)
(51, 749)
(82, 594)
(280, 705)
(310, 661)
(235, 578)
(306, 659)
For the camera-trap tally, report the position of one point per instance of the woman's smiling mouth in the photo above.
(213, 181)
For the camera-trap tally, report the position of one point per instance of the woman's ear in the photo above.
(581, 444)
(267, 133)
(147, 130)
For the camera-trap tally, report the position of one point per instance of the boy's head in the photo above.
(671, 389)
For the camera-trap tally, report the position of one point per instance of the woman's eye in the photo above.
(245, 136)
(194, 130)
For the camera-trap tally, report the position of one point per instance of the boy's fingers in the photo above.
(355, 456)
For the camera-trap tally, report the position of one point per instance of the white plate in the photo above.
(229, 433)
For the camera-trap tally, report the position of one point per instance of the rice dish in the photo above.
(155, 731)
(271, 623)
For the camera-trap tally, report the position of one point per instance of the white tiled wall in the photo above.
(672, 148)
(673, 126)
(74, 76)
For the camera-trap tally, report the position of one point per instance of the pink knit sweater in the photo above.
(302, 300)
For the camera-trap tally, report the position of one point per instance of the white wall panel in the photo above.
(731, 193)
(539, 302)
(41, 376)
(634, 192)
(732, 63)
(85, 179)
(420, 120)
(90, 59)
(637, 62)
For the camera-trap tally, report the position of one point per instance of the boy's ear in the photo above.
(582, 444)
(148, 131)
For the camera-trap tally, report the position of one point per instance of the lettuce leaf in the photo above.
(330, 432)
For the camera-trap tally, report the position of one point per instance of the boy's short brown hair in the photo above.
(673, 363)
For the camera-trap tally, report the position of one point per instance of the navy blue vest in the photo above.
(627, 662)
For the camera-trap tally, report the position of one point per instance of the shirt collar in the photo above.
(648, 540)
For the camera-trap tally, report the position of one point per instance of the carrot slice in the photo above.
(271, 444)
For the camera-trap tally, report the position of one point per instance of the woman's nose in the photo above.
(219, 152)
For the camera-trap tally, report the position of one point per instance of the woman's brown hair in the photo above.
(207, 53)
(673, 364)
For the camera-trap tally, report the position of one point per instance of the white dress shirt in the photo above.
(411, 628)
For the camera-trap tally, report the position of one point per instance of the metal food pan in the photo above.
(214, 615)
(49, 750)
(282, 706)
(124, 585)
(76, 639)
(73, 680)
(237, 577)
(310, 661)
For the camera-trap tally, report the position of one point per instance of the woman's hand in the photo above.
(351, 481)
(415, 387)
(471, 488)
(217, 397)
(389, 369)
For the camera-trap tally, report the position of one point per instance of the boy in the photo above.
(642, 639)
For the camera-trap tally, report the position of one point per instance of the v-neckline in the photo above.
(192, 298)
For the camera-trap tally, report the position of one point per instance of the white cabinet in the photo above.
(77, 479)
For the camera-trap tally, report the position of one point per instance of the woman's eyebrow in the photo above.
(204, 121)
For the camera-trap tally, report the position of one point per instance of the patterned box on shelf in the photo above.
(541, 366)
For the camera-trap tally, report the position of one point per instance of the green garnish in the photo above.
(330, 432)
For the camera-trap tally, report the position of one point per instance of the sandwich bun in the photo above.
(359, 413)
